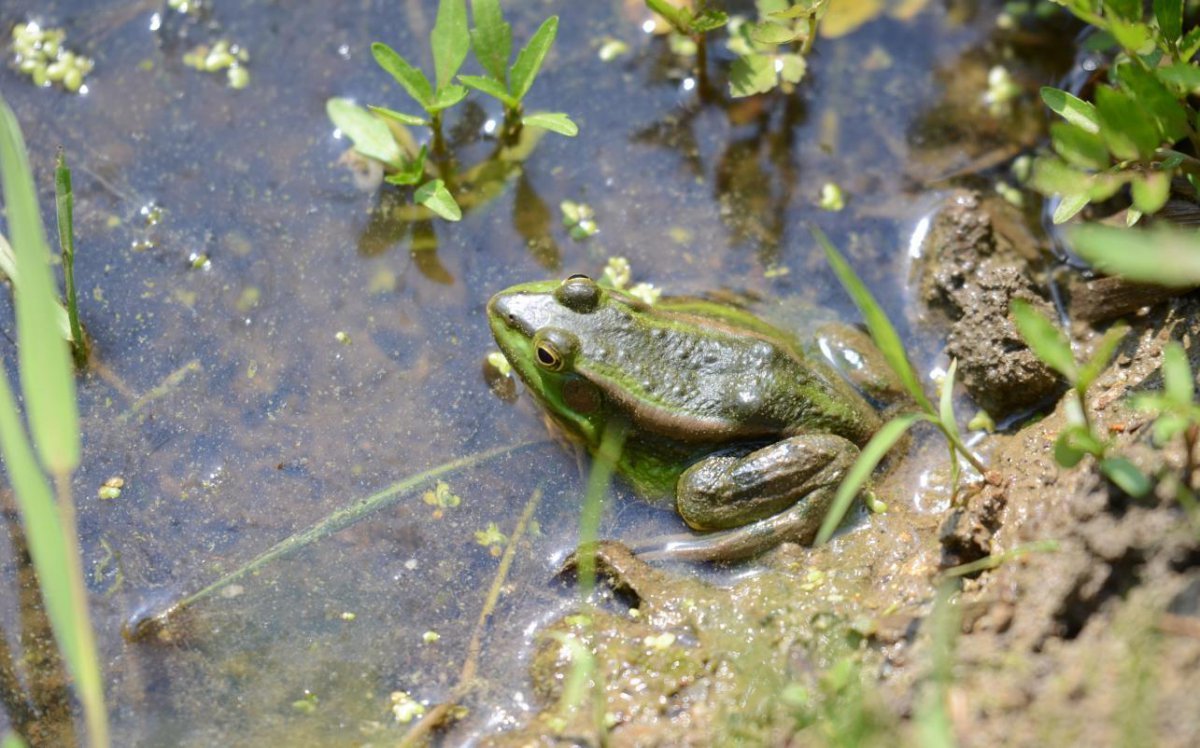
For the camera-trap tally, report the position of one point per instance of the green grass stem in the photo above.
(64, 202)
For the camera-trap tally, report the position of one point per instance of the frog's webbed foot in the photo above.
(655, 592)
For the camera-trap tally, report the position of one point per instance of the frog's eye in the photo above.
(554, 349)
(578, 293)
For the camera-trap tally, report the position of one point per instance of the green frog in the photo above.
(721, 412)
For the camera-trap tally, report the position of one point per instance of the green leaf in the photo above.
(411, 172)
(1074, 443)
(1168, 426)
(1150, 191)
(752, 74)
(1182, 75)
(1126, 130)
(48, 388)
(1068, 206)
(679, 18)
(792, 68)
(1102, 354)
(446, 98)
(1130, 10)
(1125, 475)
(370, 135)
(1044, 338)
(880, 327)
(552, 121)
(47, 378)
(450, 40)
(1178, 384)
(491, 39)
(709, 20)
(490, 87)
(1170, 18)
(401, 117)
(1154, 101)
(1074, 110)
(1134, 37)
(410, 78)
(772, 34)
(1166, 257)
(858, 474)
(946, 403)
(1078, 146)
(436, 197)
(1189, 45)
(529, 59)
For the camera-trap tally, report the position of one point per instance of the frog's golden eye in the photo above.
(554, 349)
(578, 293)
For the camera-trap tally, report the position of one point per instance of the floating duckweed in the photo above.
(222, 55)
(579, 218)
(185, 6)
(659, 641)
(342, 337)
(429, 637)
(1011, 194)
(40, 54)
(982, 421)
(349, 615)
(111, 488)
(832, 198)
(875, 504)
(646, 292)
(491, 538)
(199, 261)
(306, 705)
(1001, 90)
(442, 497)
(405, 708)
(617, 273)
(612, 48)
(497, 361)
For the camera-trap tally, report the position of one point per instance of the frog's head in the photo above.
(548, 330)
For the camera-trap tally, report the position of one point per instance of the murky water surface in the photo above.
(225, 399)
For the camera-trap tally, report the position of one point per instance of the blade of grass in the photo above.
(881, 329)
(612, 441)
(64, 203)
(861, 470)
(338, 520)
(46, 377)
(48, 388)
(949, 423)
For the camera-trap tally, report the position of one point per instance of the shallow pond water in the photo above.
(222, 249)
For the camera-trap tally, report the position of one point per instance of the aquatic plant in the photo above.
(381, 134)
(52, 440)
(1127, 134)
(64, 204)
(770, 51)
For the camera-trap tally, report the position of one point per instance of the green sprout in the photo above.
(1177, 416)
(64, 201)
(771, 52)
(491, 40)
(1127, 135)
(1079, 439)
(942, 417)
(693, 24)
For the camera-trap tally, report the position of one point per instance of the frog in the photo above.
(721, 413)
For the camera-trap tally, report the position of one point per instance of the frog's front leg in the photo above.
(776, 493)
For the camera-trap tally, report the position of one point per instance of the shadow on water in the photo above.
(329, 342)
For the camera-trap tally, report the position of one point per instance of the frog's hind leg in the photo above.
(798, 524)
(778, 493)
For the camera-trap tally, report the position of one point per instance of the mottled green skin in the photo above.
(687, 379)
